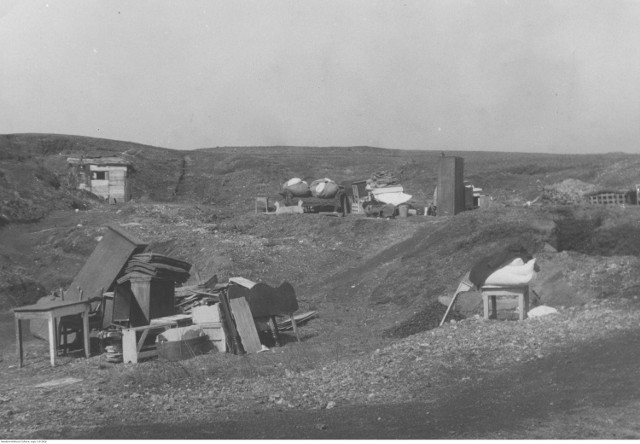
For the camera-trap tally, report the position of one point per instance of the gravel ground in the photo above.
(419, 368)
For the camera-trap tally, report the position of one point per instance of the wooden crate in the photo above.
(208, 318)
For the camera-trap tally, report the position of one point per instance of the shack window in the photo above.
(99, 175)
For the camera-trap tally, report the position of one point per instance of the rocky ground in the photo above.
(429, 367)
(375, 345)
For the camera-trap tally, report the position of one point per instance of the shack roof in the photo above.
(109, 160)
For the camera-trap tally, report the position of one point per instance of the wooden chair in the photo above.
(73, 324)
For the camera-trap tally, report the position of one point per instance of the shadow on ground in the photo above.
(515, 402)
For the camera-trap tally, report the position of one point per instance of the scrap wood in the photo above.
(382, 179)
(242, 282)
(186, 298)
(286, 324)
(154, 268)
(59, 382)
(159, 273)
(161, 259)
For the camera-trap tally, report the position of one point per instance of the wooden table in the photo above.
(51, 311)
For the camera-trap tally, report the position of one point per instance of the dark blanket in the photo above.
(488, 264)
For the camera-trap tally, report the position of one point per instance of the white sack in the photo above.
(512, 275)
(293, 181)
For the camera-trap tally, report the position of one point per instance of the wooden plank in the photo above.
(234, 342)
(129, 346)
(245, 325)
(179, 320)
(246, 283)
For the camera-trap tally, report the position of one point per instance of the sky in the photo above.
(558, 76)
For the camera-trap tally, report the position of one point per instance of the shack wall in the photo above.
(113, 186)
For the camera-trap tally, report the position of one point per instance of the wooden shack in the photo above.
(103, 176)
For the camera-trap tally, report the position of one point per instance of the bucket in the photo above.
(403, 210)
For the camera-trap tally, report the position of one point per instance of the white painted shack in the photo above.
(103, 176)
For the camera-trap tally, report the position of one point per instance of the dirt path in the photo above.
(559, 396)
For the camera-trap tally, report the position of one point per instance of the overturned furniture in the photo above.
(94, 282)
(266, 302)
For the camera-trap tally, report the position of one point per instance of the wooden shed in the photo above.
(103, 176)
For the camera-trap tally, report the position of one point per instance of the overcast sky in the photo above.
(503, 75)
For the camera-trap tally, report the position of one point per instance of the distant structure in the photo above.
(612, 197)
(472, 196)
(356, 193)
(103, 176)
(450, 198)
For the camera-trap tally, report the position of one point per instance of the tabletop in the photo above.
(49, 305)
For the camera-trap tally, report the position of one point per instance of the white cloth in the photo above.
(393, 198)
(385, 190)
(513, 274)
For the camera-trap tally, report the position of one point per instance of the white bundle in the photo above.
(514, 274)
(293, 181)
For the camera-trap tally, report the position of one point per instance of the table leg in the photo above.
(85, 332)
(19, 341)
(295, 326)
(525, 304)
(274, 330)
(52, 339)
(485, 303)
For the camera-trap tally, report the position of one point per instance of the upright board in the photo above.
(245, 325)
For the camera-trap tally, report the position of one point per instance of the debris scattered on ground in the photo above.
(58, 382)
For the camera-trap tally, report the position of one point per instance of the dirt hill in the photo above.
(198, 205)
(374, 282)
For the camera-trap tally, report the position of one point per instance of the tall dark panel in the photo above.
(451, 199)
